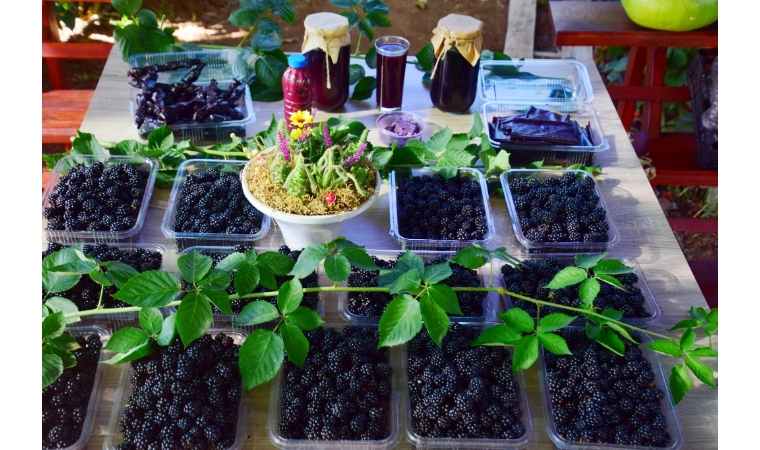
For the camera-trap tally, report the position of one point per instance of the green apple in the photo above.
(672, 15)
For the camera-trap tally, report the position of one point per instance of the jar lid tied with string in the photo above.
(327, 47)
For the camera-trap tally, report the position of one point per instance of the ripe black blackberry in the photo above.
(86, 292)
(600, 410)
(84, 195)
(470, 376)
(534, 273)
(310, 300)
(184, 416)
(312, 407)
(213, 202)
(64, 402)
(373, 303)
(568, 205)
(456, 203)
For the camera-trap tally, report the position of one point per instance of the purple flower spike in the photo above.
(284, 146)
(326, 135)
(353, 159)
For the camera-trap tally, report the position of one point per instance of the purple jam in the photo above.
(403, 127)
(455, 83)
(324, 98)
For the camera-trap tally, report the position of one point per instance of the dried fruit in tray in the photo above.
(540, 127)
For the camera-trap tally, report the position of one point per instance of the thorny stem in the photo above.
(100, 299)
(240, 45)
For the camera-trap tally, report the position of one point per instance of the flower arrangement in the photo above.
(314, 168)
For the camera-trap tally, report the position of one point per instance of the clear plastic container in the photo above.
(222, 66)
(95, 394)
(394, 419)
(321, 277)
(522, 155)
(114, 437)
(650, 304)
(439, 244)
(536, 80)
(187, 239)
(490, 302)
(467, 443)
(553, 247)
(143, 164)
(668, 407)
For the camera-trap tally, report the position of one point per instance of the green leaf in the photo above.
(67, 358)
(304, 318)
(371, 58)
(127, 7)
(518, 319)
(676, 58)
(246, 279)
(377, 6)
(231, 262)
(438, 141)
(588, 261)
(256, 312)
(353, 18)
(267, 279)
(52, 368)
(337, 268)
(309, 259)
(100, 277)
(295, 342)
(400, 322)
(151, 320)
(165, 178)
(365, 28)
(553, 322)
(554, 343)
(220, 298)
(244, 17)
(435, 318)
(703, 352)
(345, 3)
(277, 263)
(494, 162)
(161, 138)
(712, 317)
(133, 354)
(377, 19)
(194, 266)
(65, 342)
(609, 279)
(426, 57)
(85, 143)
(680, 383)
(355, 73)
(456, 157)
(684, 324)
(622, 331)
(665, 347)
(611, 267)
(284, 10)
(125, 339)
(567, 277)
(168, 330)
(410, 260)
(193, 317)
(592, 330)
(698, 314)
(447, 172)
(526, 353)
(216, 280)
(152, 288)
(472, 257)
(406, 282)
(127, 147)
(260, 358)
(445, 297)
(608, 339)
(133, 39)
(359, 258)
(268, 42)
(69, 261)
(52, 160)
(289, 296)
(687, 339)
(497, 335)
(269, 71)
(55, 304)
(364, 87)
(477, 126)
(53, 325)
(588, 291)
(260, 92)
(711, 329)
(436, 272)
(269, 26)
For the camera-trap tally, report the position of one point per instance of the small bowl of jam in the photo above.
(400, 127)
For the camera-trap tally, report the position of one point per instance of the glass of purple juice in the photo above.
(391, 67)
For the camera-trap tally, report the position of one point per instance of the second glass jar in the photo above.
(455, 83)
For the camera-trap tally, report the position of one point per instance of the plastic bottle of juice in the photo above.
(296, 86)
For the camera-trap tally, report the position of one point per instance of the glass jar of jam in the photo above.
(327, 48)
(457, 42)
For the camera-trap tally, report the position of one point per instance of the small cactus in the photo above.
(280, 168)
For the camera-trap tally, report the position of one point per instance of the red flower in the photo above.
(330, 198)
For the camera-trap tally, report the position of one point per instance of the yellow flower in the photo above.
(301, 118)
(296, 133)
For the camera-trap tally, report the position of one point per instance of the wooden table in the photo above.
(606, 24)
(644, 231)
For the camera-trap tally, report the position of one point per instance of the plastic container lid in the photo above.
(297, 60)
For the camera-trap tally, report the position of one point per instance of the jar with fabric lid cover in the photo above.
(327, 47)
(457, 43)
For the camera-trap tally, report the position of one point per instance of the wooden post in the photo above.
(521, 29)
